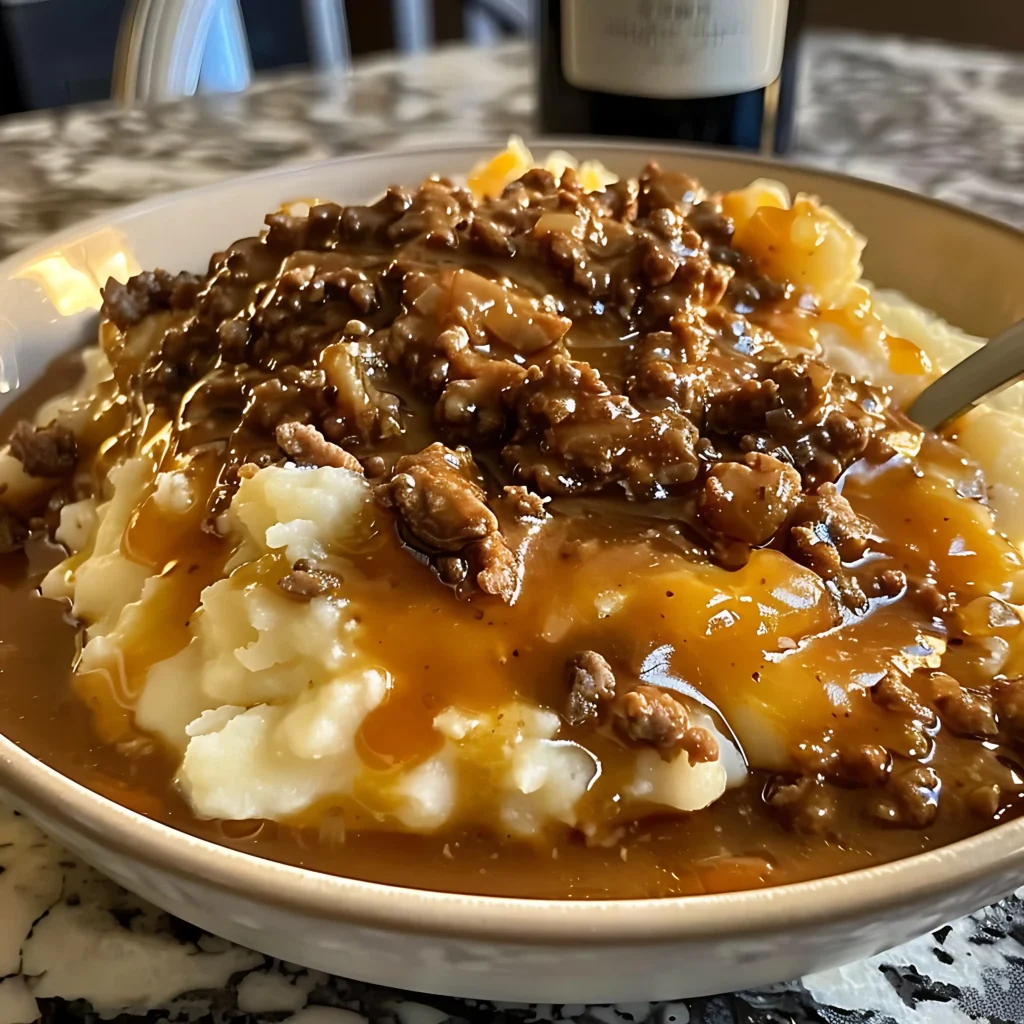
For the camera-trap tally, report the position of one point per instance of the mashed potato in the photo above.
(265, 700)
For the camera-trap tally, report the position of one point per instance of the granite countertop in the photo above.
(942, 120)
(938, 119)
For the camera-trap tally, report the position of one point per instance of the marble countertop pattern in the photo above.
(75, 947)
(942, 120)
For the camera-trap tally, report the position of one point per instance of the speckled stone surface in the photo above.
(73, 946)
(946, 121)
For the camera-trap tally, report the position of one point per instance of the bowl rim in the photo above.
(482, 145)
(590, 923)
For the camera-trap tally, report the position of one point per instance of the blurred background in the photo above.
(54, 53)
(103, 102)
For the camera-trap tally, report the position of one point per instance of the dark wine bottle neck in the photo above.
(704, 71)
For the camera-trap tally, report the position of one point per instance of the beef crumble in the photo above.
(309, 447)
(13, 532)
(638, 713)
(964, 713)
(591, 685)
(649, 716)
(805, 805)
(820, 419)
(442, 511)
(826, 536)
(306, 581)
(751, 498)
(45, 451)
(575, 435)
(146, 293)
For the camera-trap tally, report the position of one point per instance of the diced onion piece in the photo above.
(987, 616)
(567, 223)
(429, 300)
(511, 317)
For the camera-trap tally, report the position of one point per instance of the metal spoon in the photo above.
(993, 368)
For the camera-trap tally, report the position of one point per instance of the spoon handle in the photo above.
(989, 370)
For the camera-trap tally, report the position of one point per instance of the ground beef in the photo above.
(750, 499)
(639, 714)
(331, 316)
(127, 304)
(962, 712)
(927, 596)
(474, 406)
(13, 532)
(310, 310)
(523, 503)
(662, 370)
(666, 190)
(805, 805)
(825, 534)
(888, 583)
(1008, 695)
(493, 567)
(305, 581)
(488, 235)
(442, 510)
(893, 694)
(848, 765)
(370, 225)
(576, 435)
(439, 498)
(591, 686)
(823, 419)
(472, 387)
(910, 799)
(739, 410)
(649, 716)
(432, 314)
(681, 365)
(308, 447)
(864, 765)
(804, 391)
(44, 451)
(438, 211)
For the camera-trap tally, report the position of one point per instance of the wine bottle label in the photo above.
(672, 49)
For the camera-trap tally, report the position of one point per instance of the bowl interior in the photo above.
(965, 267)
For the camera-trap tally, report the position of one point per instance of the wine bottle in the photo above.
(697, 70)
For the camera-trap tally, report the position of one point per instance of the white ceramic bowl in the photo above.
(964, 267)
